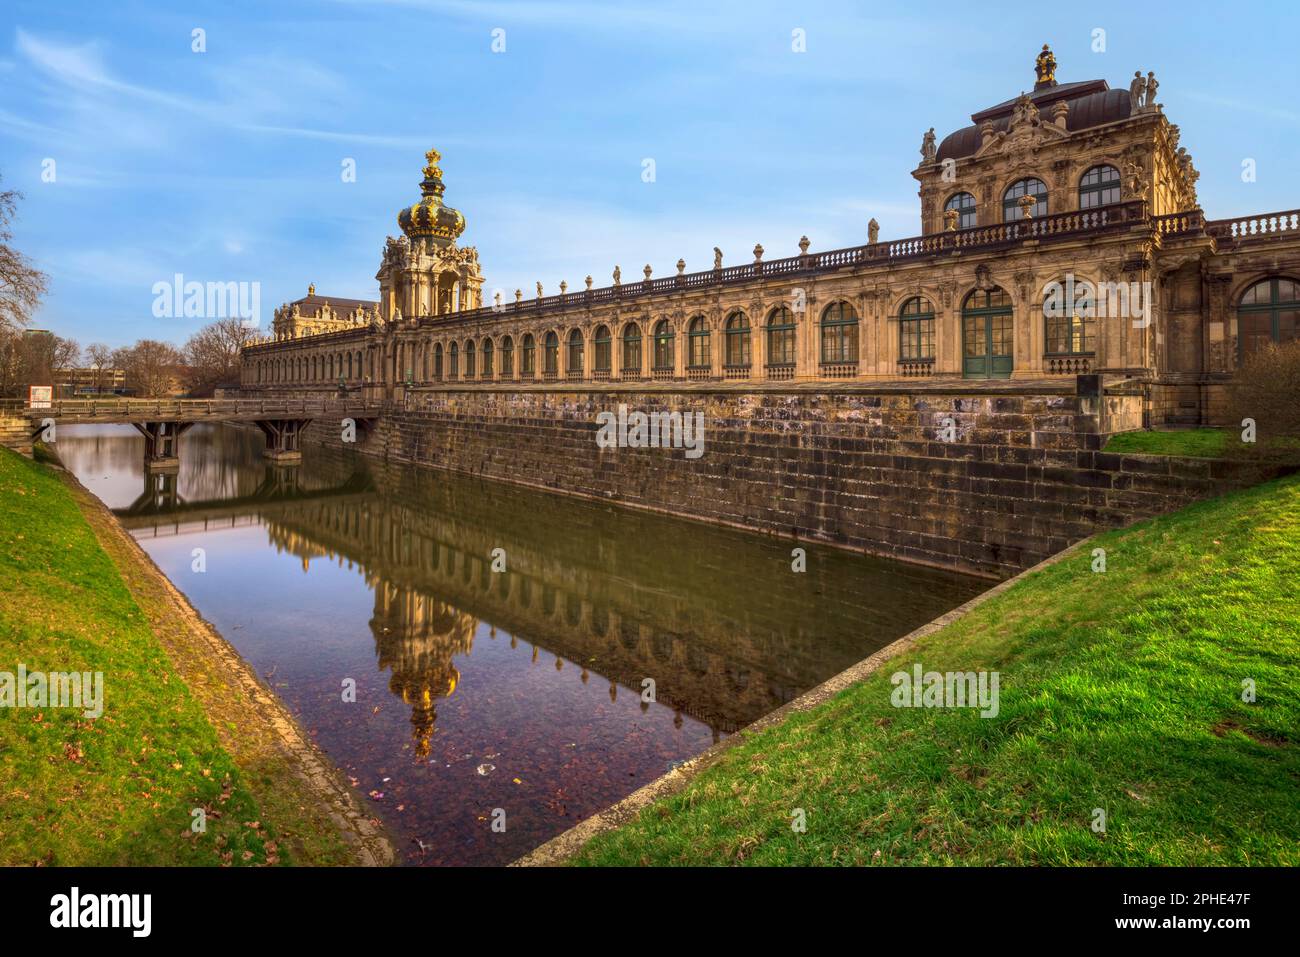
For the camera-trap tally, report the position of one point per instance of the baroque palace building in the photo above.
(1060, 235)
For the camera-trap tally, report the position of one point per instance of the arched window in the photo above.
(469, 358)
(437, 362)
(424, 364)
(573, 362)
(507, 358)
(780, 337)
(839, 333)
(1099, 187)
(664, 338)
(738, 346)
(455, 361)
(357, 365)
(551, 355)
(1268, 313)
(1011, 211)
(631, 365)
(487, 358)
(528, 366)
(964, 203)
(987, 329)
(1070, 312)
(604, 350)
(700, 354)
(916, 330)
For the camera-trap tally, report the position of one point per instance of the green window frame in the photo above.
(487, 357)
(964, 203)
(988, 335)
(454, 362)
(916, 330)
(664, 341)
(631, 363)
(469, 359)
(1268, 313)
(508, 357)
(604, 350)
(701, 342)
(551, 354)
(528, 365)
(839, 333)
(1099, 186)
(1029, 186)
(780, 337)
(1071, 334)
(738, 341)
(573, 361)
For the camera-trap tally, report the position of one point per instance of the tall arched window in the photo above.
(1011, 211)
(551, 354)
(916, 330)
(780, 337)
(1071, 319)
(737, 353)
(529, 364)
(455, 361)
(573, 362)
(1099, 187)
(987, 329)
(631, 364)
(700, 354)
(964, 203)
(469, 358)
(507, 358)
(839, 333)
(604, 350)
(1269, 312)
(487, 358)
(437, 362)
(664, 358)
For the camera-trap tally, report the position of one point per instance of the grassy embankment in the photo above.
(1202, 444)
(1120, 690)
(121, 788)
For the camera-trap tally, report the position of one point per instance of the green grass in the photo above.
(1194, 443)
(118, 789)
(1120, 690)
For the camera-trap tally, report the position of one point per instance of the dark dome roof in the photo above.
(1092, 103)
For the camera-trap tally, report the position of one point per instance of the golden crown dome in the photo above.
(429, 218)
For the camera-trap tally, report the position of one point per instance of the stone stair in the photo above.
(15, 432)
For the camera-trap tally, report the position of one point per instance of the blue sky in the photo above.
(225, 165)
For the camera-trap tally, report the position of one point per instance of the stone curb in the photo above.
(566, 844)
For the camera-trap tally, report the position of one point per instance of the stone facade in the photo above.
(1019, 477)
(1073, 187)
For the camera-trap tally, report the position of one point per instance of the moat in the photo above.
(517, 658)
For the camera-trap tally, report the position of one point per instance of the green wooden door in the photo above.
(986, 343)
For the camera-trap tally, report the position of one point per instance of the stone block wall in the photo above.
(1021, 478)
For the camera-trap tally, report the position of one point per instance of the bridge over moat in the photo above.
(163, 421)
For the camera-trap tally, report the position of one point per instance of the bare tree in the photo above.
(213, 354)
(21, 283)
(100, 358)
(150, 365)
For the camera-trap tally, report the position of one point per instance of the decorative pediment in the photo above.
(1026, 131)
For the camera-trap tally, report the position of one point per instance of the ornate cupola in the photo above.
(429, 219)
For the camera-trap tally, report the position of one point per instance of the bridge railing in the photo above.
(199, 408)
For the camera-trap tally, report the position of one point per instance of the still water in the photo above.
(483, 695)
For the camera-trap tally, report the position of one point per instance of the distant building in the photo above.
(90, 381)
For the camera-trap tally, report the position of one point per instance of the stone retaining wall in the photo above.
(1017, 477)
